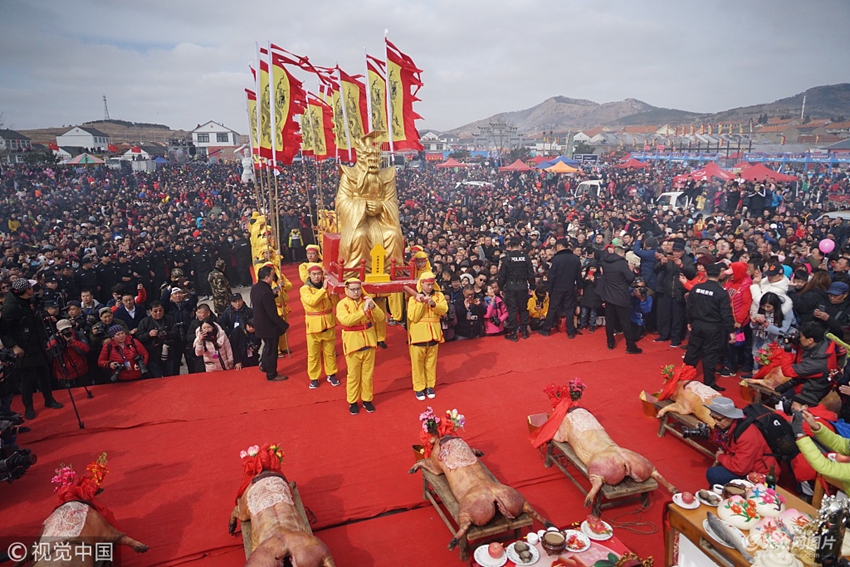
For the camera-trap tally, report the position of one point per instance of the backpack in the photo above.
(776, 431)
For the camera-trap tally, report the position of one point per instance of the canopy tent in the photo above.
(759, 172)
(632, 163)
(85, 159)
(537, 160)
(561, 167)
(518, 165)
(707, 172)
(160, 161)
(560, 159)
(741, 165)
(452, 162)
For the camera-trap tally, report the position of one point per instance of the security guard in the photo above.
(357, 315)
(425, 334)
(711, 324)
(516, 277)
(321, 327)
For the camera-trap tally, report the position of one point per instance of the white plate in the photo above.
(737, 533)
(581, 537)
(482, 557)
(585, 529)
(514, 556)
(706, 502)
(677, 500)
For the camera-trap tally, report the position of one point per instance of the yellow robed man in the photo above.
(367, 207)
(421, 264)
(313, 257)
(357, 314)
(425, 333)
(321, 327)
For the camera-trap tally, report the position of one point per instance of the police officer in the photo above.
(711, 324)
(516, 277)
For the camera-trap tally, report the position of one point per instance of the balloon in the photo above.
(826, 245)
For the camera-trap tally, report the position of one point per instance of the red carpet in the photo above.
(173, 447)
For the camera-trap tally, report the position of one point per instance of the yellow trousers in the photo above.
(423, 360)
(381, 326)
(396, 301)
(321, 346)
(358, 381)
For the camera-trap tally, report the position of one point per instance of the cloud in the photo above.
(182, 63)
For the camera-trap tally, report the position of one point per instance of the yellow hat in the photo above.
(420, 255)
(427, 276)
(352, 280)
(416, 248)
(255, 214)
(312, 247)
(315, 268)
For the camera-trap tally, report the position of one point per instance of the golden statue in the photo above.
(367, 207)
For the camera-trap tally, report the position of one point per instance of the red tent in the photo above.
(632, 163)
(741, 165)
(760, 172)
(709, 171)
(451, 162)
(538, 159)
(518, 165)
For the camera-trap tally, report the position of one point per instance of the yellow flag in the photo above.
(265, 114)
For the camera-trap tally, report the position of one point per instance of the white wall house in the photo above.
(83, 137)
(12, 146)
(214, 135)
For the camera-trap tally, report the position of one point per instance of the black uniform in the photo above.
(711, 321)
(516, 277)
(87, 279)
(242, 252)
(564, 276)
(107, 277)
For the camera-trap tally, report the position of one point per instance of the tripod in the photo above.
(56, 352)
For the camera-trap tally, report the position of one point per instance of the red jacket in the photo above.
(800, 465)
(112, 353)
(738, 287)
(749, 453)
(74, 357)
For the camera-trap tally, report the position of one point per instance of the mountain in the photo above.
(560, 113)
(119, 132)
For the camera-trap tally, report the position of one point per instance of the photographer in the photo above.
(23, 332)
(212, 345)
(123, 356)
(641, 298)
(470, 315)
(245, 345)
(158, 333)
(742, 446)
(69, 348)
(809, 367)
(838, 469)
(195, 362)
(236, 314)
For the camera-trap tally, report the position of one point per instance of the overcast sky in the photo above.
(181, 62)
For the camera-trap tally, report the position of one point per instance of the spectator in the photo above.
(564, 274)
(236, 314)
(470, 315)
(497, 312)
(768, 324)
(538, 307)
(123, 356)
(160, 337)
(614, 290)
(590, 302)
(641, 298)
(810, 366)
(68, 349)
(130, 312)
(245, 346)
(742, 448)
(212, 345)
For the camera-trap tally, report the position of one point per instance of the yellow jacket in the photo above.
(358, 330)
(533, 311)
(318, 309)
(424, 320)
(302, 271)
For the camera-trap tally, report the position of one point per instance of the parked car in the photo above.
(594, 188)
(673, 200)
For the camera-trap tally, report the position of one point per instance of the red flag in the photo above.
(317, 126)
(405, 81)
(52, 146)
(290, 101)
(111, 147)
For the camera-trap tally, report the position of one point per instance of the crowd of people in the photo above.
(105, 272)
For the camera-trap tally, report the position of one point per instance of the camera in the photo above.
(789, 340)
(701, 431)
(141, 362)
(15, 465)
(642, 291)
(114, 376)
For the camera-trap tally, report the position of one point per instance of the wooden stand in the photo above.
(673, 422)
(436, 490)
(296, 499)
(760, 392)
(562, 455)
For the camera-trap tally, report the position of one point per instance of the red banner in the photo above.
(405, 81)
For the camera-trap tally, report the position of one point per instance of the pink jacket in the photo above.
(214, 354)
(498, 308)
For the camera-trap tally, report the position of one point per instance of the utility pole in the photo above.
(803, 111)
(500, 132)
(105, 109)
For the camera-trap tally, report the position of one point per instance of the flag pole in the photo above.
(368, 95)
(251, 148)
(344, 113)
(389, 98)
(261, 184)
(273, 198)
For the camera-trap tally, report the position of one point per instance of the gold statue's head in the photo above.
(369, 150)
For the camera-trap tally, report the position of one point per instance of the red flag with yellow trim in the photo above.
(329, 94)
(377, 82)
(265, 137)
(404, 78)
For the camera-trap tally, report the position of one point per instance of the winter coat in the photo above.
(21, 325)
(613, 286)
(564, 272)
(217, 354)
(780, 288)
(74, 353)
(267, 323)
(111, 352)
(496, 311)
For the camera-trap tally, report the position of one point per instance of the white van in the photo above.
(593, 188)
(673, 201)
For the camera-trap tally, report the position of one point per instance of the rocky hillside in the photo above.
(827, 101)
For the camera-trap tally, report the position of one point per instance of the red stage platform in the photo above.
(173, 447)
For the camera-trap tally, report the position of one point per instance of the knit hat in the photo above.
(114, 330)
(20, 285)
